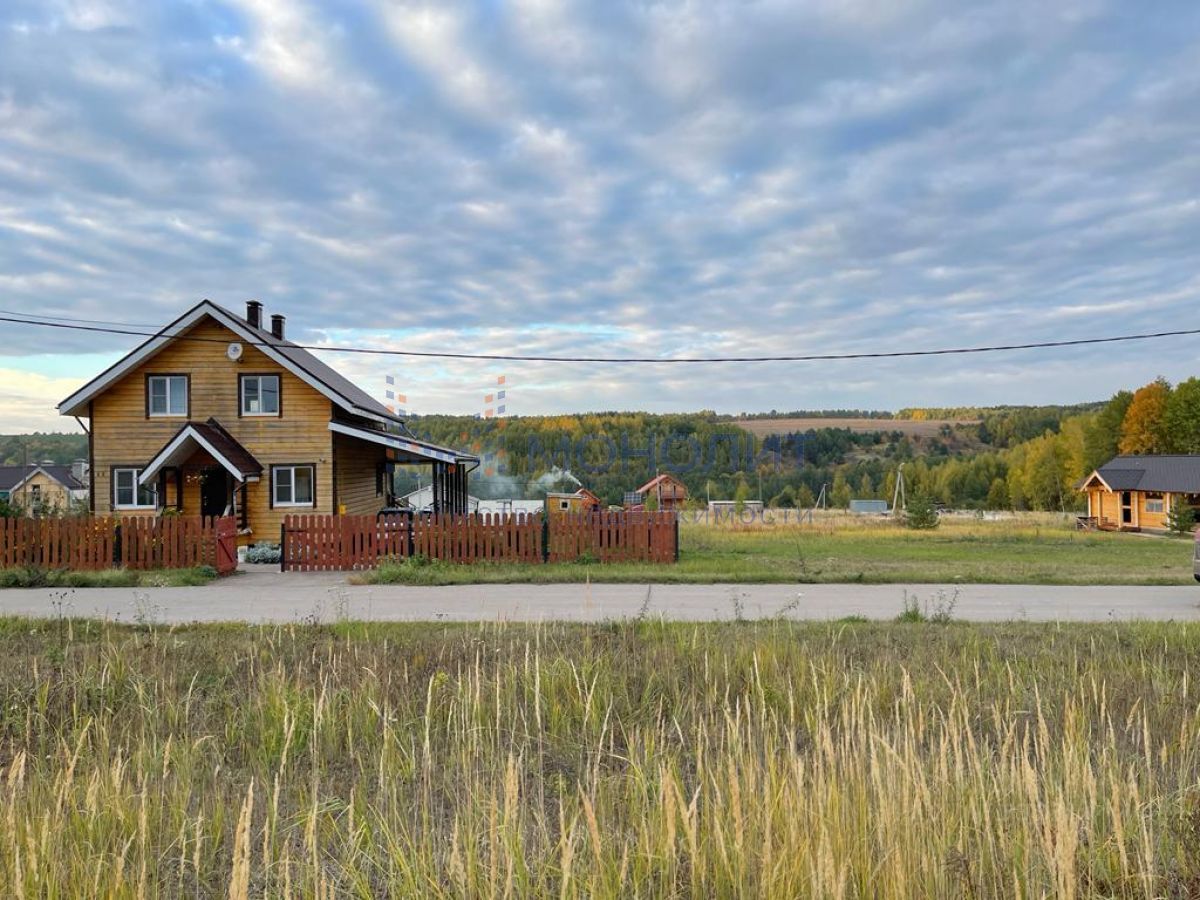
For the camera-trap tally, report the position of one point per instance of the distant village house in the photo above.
(1136, 493)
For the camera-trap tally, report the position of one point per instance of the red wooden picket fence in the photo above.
(100, 542)
(334, 543)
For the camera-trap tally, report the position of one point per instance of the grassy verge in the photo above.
(765, 759)
(30, 577)
(1032, 550)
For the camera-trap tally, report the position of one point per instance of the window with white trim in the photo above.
(260, 395)
(1154, 502)
(128, 494)
(167, 395)
(293, 486)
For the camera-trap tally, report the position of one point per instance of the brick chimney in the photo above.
(277, 326)
(254, 313)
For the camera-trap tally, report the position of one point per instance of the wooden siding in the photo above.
(123, 435)
(1106, 508)
(356, 465)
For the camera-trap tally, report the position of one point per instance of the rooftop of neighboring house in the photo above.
(12, 477)
(665, 479)
(1174, 474)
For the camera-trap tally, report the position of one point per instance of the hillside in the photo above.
(17, 449)
(761, 427)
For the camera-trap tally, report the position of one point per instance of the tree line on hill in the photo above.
(615, 452)
(1011, 457)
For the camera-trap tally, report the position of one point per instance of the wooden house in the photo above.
(669, 492)
(215, 415)
(45, 488)
(1136, 493)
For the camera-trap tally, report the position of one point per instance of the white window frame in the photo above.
(137, 488)
(278, 396)
(169, 413)
(291, 470)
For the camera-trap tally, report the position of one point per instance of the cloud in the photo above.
(605, 179)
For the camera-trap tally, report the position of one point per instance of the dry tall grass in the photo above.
(651, 760)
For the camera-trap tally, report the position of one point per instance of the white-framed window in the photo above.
(293, 485)
(260, 395)
(128, 494)
(167, 395)
(1154, 502)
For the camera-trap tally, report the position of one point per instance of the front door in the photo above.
(214, 492)
(1126, 508)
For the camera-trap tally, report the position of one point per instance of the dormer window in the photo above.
(260, 395)
(166, 395)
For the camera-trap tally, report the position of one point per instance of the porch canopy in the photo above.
(450, 467)
(213, 439)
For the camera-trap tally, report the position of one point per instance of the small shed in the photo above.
(869, 507)
(581, 501)
(729, 507)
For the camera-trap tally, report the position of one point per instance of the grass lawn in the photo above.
(766, 759)
(1034, 549)
(32, 577)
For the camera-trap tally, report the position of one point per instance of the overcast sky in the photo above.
(656, 178)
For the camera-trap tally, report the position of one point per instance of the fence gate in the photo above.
(226, 537)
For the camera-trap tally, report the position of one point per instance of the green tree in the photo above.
(804, 497)
(1181, 418)
(997, 495)
(1181, 518)
(840, 494)
(1143, 430)
(785, 499)
(866, 490)
(740, 495)
(1102, 436)
(920, 512)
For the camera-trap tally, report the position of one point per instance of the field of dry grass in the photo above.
(911, 427)
(765, 760)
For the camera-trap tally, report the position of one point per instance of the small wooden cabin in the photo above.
(1136, 493)
(582, 501)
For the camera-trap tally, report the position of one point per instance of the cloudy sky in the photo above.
(611, 178)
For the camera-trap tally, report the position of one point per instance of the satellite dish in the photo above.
(234, 351)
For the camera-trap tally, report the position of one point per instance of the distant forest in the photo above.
(18, 449)
(1011, 457)
(1005, 457)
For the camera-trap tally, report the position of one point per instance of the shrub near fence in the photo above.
(330, 543)
(91, 543)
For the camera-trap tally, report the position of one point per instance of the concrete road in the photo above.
(268, 596)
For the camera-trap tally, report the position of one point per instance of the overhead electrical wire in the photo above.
(646, 360)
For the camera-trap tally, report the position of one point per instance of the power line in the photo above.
(650, 360)
(13, 312)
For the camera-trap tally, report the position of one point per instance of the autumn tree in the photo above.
(1143, 430)
(804, 497)
(997, 495)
